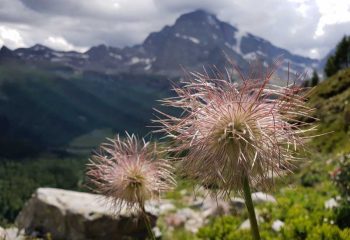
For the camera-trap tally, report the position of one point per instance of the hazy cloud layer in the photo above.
(306, 27)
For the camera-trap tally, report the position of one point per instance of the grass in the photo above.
(300, 205)
(331, 99)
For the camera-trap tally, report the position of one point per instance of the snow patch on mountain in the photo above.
(212, 21)
(38, 48)
(116, 56)
(238, 35)
(137, 60)
(250, 56)
(192, 39)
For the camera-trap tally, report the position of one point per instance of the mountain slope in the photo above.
(49, 110)
(54, 99)
(200, 38)
(331, 100)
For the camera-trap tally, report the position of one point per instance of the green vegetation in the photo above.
(47, 110)
(301, 198)
(300, 208)
(46, 114)
(331, 99)
(313, 81)
(341, 177)
(76, 111)
(18, 180)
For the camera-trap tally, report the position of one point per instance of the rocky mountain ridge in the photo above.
(195, 40)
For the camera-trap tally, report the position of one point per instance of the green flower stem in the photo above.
(148, 224)
(250, 207)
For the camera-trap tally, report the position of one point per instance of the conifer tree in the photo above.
(315, 79)
(340, 59)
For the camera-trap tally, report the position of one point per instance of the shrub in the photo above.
(340, 59)
(328, 232)
(309, 179)
(297, 228)
(342, 213)
(227, 228)
(341, 177)
(301, 209)
(28, 175)
(219, 228)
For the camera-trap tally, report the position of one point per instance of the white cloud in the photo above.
(306, 27)
(333, 12)
(10, 37)
(59, 43)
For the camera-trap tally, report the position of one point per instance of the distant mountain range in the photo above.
(54, 100)
(196, 39)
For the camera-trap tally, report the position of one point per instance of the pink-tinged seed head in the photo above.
(228, 130)
(129, 172)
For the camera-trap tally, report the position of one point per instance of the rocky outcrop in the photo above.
(2, 233)
(69, 215)
(11, 233)
(78, 216)
(260, 197)
(277, 225)
(196, 39)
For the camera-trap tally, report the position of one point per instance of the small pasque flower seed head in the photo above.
(230, 130)
(129, 172)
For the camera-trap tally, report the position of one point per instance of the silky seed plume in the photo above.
(129, 172)
(229, 130)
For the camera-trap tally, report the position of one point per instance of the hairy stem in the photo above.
(250, 207)
(147, 223)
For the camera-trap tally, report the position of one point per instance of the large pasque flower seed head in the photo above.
(129, 172)
(230, 130)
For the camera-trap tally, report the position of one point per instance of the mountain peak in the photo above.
(101, 47)
(39, 47)
(197, 16)
(199, 12)
(4, 48)
(6, 52)
(197, 39)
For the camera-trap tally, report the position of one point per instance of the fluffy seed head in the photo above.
(229, 130)
(129, 172)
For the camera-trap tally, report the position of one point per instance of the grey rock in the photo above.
(179, 218)
(277, 225)
(187, 213)
(193, 224)
(260, 197)
(166, 207)
(215, 207)
(157, 233)
(246, 224)
(2, 233)
(197, 202)
(11, 233)
(194, 220)
(187, 218)
(77, 216)
(238, 204)
(175, 220)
